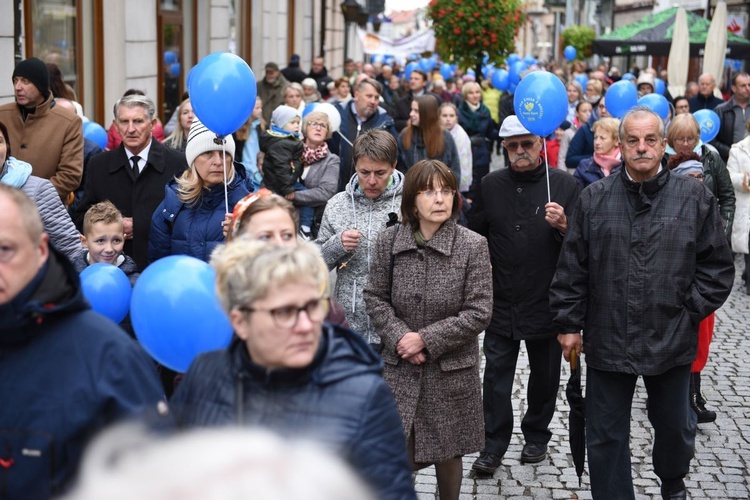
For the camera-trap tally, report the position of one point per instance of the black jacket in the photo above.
(702, 102)
(340, 400)
(282, 161)
(110, 177)
(725, 138)
(293, 73)
(524, 247)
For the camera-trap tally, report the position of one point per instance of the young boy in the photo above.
(103, 239)
(282, 161)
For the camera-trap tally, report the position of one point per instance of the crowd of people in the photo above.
(610, 237)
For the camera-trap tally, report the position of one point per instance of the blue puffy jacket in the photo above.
(339, 400)
(178, 228)
(65, 373)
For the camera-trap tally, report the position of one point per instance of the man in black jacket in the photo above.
(525, 231)
(644, 260)
(705, 98)
(132, 176)
(417, 85)
(733, 115)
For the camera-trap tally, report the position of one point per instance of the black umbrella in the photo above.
(576, 417)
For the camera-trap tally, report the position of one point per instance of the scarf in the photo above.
(609, 162)
(310, 156)
(473, 107)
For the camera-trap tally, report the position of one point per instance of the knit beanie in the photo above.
(35, 71)
(283, 115)
(200, 140)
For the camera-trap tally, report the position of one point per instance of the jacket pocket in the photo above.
(26, 464)
(458, 360)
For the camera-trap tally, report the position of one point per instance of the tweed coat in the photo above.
(443, 291)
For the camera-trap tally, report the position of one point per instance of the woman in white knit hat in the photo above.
(190, 219)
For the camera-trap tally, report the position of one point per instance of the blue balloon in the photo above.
(656, 103)
(446, 71)
(500, 79)
(541, 102)
(471, 72)
(582, 79)
(709, 123)
(389, 60)
(661, 87)
(175, 312)
(529, 60)
(107, 289)
(512, 88)
(309, 109)
(512, 58)
(620, 97)
(629, 76)
(409, 68)
(222, 91)
(174, 70)
(413, 57)
(487, 70)
(169, 57)
(95, 132)
(570, 53)
(424, 64)
(485, 58)
(515, 71)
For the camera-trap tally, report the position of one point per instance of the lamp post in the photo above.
(351, 10)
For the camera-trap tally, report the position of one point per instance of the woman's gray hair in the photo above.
(317, 116)
(246, 270)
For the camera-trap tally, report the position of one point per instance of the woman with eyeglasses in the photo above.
(429, 296)
(683, 139)
(320, 172)
(423, 139)
(287, 371)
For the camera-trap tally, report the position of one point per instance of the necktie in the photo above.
(135, 160)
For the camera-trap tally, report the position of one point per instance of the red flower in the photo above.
(477, 14)
(456, 30)
(460, 13)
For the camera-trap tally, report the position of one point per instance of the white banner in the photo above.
(424, 41)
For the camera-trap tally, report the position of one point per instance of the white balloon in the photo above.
(334, 118)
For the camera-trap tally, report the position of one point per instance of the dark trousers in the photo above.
(501, 355)
(609, 397)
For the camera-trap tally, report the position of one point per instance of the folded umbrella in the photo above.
(576, 416)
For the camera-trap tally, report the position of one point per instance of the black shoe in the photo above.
(533, 453)
(704, 416)
(487, 463)
(678, 493)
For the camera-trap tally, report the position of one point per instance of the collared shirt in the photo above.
(630, 177)
(143, 155)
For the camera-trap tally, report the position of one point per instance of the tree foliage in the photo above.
(464, 29)
(580, 37)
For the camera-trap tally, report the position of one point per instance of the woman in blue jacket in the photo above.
(289, 372)
(190, 220)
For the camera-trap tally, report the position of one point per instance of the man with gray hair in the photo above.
(133, 175)
(644, 260)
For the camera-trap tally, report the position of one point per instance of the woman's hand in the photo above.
(226, 224)
(410, 345)
(417, 359)
(350, 240)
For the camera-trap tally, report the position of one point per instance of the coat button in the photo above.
(518, 228)
(418, 298)
(420, 257)
(519, 190)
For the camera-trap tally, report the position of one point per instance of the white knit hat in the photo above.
(283, 115)
(200, 140)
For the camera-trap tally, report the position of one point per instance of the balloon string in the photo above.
(549, 196)
(224, 162)
(344, 137)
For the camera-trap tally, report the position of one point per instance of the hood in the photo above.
(395, 187)
(341, 354)
(54, 291)
(15, 173)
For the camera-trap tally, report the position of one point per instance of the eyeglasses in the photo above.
(287, 316)
(431, 193)
(323, 126)
(696, 176)
(684, 140)
(513, 146)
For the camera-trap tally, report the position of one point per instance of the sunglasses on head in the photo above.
(513, 146)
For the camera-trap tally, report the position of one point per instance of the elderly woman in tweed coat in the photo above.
(429, 309)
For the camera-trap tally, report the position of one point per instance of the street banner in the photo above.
(424, 41)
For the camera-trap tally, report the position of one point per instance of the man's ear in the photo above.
(83, 241)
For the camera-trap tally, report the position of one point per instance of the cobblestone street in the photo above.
(719, 469)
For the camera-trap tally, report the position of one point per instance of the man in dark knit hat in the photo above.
(43, 134)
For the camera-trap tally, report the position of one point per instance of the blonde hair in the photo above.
(178, 135)
(317, 116)
(682, 125)
(611, 125)
(246, 270)
(104, 211)
(468, 86)
(190, 186)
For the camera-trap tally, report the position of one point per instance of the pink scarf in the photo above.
(310, 156)
(609, 162)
